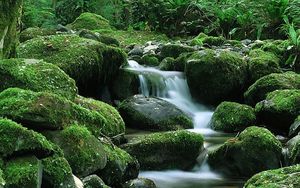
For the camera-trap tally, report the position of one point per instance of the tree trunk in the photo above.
(10, 12)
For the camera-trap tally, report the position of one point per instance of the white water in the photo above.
(172, 87)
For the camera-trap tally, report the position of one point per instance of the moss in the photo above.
(203, 39)
(89, 21)
(83, 151)
(174, 50)
(280, 109)
(34, 32)
(167, 64)
(239, 156)
(232, 117)
(216, 75)
(295, 127)
(10, 12)
(36, 75)
(150, 60)
(295, 154)
(23, 172)
(168, 150)
(93, 181)
(259, 90)
(143, 182)
(282, 177)
(120, 166)
(2, 181)
(17, 139)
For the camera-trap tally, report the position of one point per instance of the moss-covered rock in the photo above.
(34, 32)
(214, 76)
(167, 64)
(203, 39)
(41, 110)
(120, 166)
(280, 109)
(261, 64)
(83, 151)
(232, 117)
(139, 182)
(295, 127)
(168, 150)
(149, 113)
(293, 151)
(259, 90)
(90, 63)
(254, 150)
(174, 50)
(36, 75)
(98, 37)
(57, 173)
(279, 178)
(16, 139)
(90, 21)
(93, 181)
(149, 60)
(10, 12)
(23, 172)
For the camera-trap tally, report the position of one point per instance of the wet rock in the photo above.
(174, 50)
(34, 32)
(295, 127)
(150, 60)
(94, 181)
(293, 150)
(139, 183)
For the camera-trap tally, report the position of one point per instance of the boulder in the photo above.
(293, 150)
(149, 113)
(174, 50)
(254, 150)
(93, 181)
(279, 178)
(83, 151)
(33, 32)
(139, 183)
(167, 150)
(216, 75)
(90, 63)
(149, 60)
(84, 33)
(279, 109)
(295, 127)
(276, 81)
(232, 117)
(203, 39)
(36, 75)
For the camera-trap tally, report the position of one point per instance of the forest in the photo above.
(149, 93)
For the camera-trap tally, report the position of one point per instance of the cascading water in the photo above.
(172, 87)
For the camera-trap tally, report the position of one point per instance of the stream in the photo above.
(172, 86)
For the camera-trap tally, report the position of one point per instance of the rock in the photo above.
(16, 140)
(23, 172)
(280, 109)
(43, 111)
(232, 117)
(83, 151)
(261, 64)
(150, 60)
(276, 81)
(9, 19)
(89, 21)
(149, 113)
(295, 127)
(279, 178)
(254, 150)
(93, 181)
(214, 76)
(167, 150)
(174, 50)
(120, 166)
(36, 75)
(2, 181)
(90, 63)
(137, 50)
(167, 64)
(33, 32)
(139, 183)
(293, 150)
(84, 33)
(203, 39)
(57, 173)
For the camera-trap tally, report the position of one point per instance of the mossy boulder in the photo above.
(85, 33)
(279, 178)
(254, 150)
(295, 127)
(279, 109)
(203, 39)
(10, 12)
(93, 181)
(214, 76)
(36, 75)
(23, 172)
(293, 150)
(89, 21)
(120, 166)
(167, 64)
(174, 50)
(276, 81)
(139, 182)
(261, 64)
(150, 60)
(83, 151)
(46, 111)
(34, 32)
(149, 113)
(90, 63)
(167, 150)
(233, 117)
(16, 139)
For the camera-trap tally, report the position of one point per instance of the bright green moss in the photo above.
(167, 150)
(203, 39)
(36, 75)
(232, 117)
(174, 50)
(150, 60)
(34, 32)
(17, 139)
(89, 21)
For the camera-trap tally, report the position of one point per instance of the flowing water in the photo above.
(172, 87)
